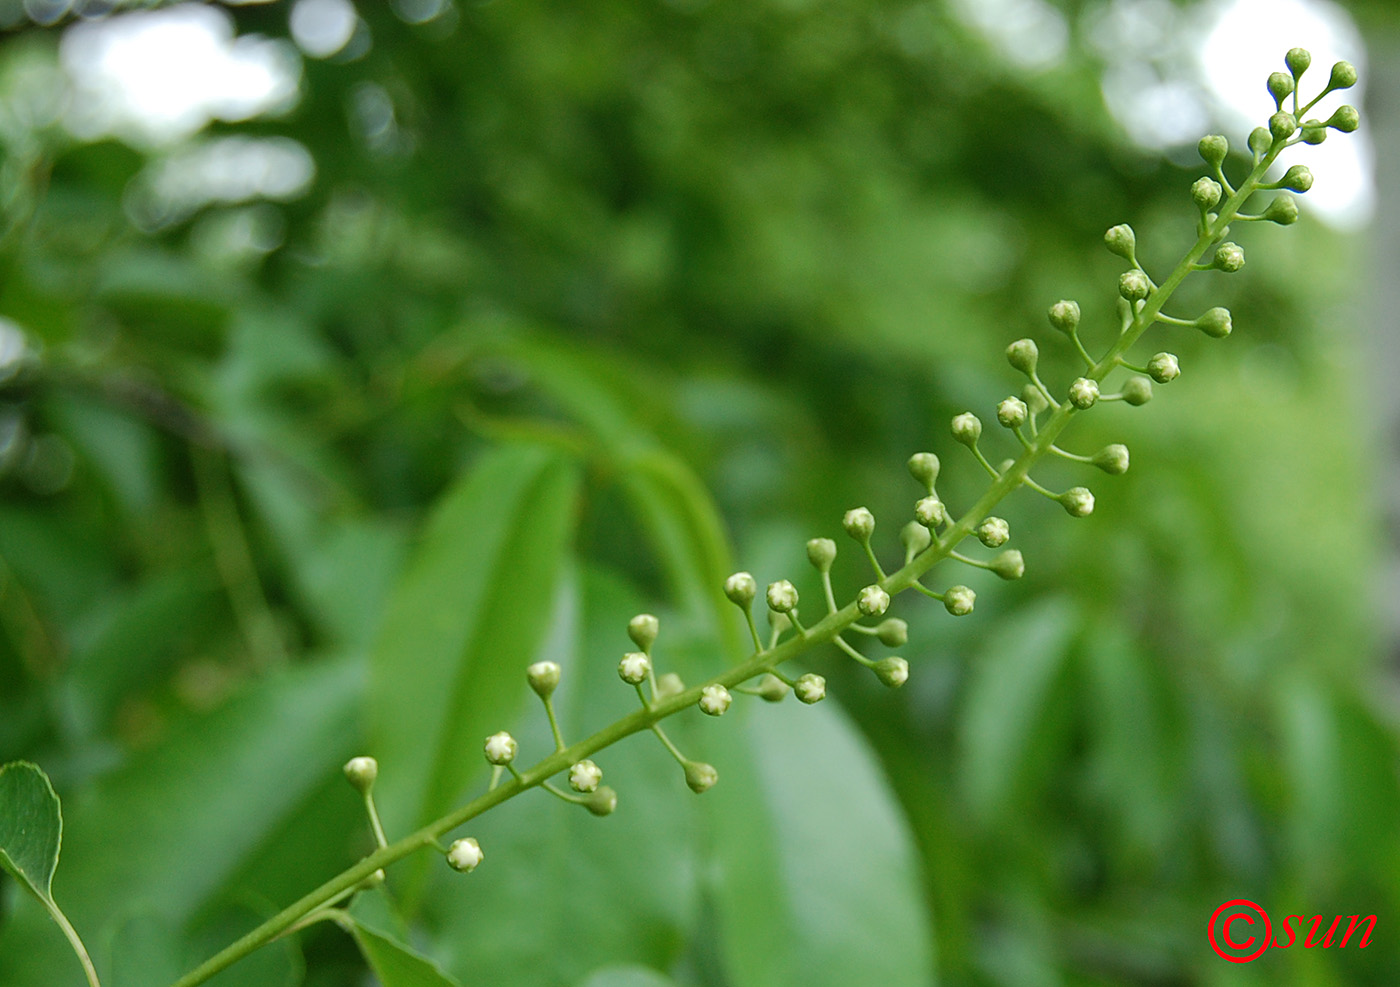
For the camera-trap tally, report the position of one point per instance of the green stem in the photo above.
(822, 632)
(74, 940)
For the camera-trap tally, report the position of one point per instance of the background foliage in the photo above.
(586, 306)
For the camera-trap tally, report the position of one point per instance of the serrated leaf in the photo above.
(464, 621)
(395, 964)
(31, 827)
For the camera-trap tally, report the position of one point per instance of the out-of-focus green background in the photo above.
(511, 320)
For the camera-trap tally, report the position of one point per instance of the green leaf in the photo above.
(395, 964)
(31, 827)
(627, 976)
(816, 876)
(467, 617)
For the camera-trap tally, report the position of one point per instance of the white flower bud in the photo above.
(892, 632)
(821, 552)
(930, 512)
(1009, 564)
(1064, 315)
(892, 671)
(701, 777)
(872, 601)
(634, 668)
(782, 596)
(543, 677)
(1229, 257)
(501, 748)
(859, 524)
(669, 685)
(714, 700)
(1164, 368)
(585, 776)
(1012, 413)
(915, 538)
(810, 688)
(1206, 193)
(1023, 354)
(1112, 459)
(741, 588)
(772, 689)
(1078, 501)
(1216, 323)
(465, 855)
(967, 428)
(603, 802)
(361, 772)
(1083, 392)
(993, 532)
(923, 466)
(643, 629)
(1137, 391)
(1133, 285)
(959, 600)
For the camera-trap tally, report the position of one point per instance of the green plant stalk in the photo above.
(822, 632)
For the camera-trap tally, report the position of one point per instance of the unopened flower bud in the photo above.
(1297, 60)
(782, 596)
(714, 700)
(374, 880)
(1083, 392)
(1281, 86)
(821, 552)
(603, 802)
(634, 668)
(930, 512)
(669, 685)
(1012, 412)
(915, 538)
(772, 689)
(1164, 368)
(1260, 140)
(1213, 149)
(993, 532)
(779, 621)
(1112, 459)
(465, 855)
(1216, 323)
(1206, 192)
(585, 776)
(643, 629)
(361, 772)
(1121, 240)
(1008, 564)
(1137, 391)
(500, 748)
(923, 466)
(810, 688)
(1282, 125)
(1134, 286)
(1343, 76)
(892, 632)
(859, 524)
(1077, 501)
(1023, 355)
(1299, 178)
(892, 671)
(967, 428)
(741, 588)
(543, 677)
(1064, 315)
(1035, 401)
(872, 601)
(959, 600)
(1229, 257)
(701, 777)
(1314, 131)
(1283, 210)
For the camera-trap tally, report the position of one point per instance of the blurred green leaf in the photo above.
(144, 950)
(626, 976)
(395, 964)
(467, 616)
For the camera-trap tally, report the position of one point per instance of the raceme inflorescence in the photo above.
(1035, 418)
